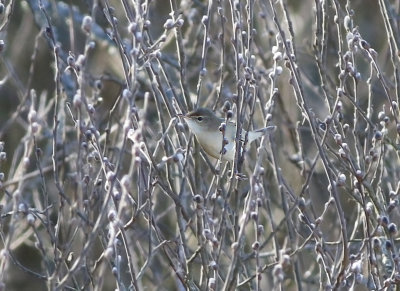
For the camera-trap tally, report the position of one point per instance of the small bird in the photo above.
(206, 126)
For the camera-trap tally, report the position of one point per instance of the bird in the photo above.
(208, 129)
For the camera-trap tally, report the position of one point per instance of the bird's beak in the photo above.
(181, 115)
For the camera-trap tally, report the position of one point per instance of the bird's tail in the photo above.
(253, 135)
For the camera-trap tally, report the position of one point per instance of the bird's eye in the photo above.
(200, 118)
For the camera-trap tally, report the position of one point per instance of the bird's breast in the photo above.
(212, 144)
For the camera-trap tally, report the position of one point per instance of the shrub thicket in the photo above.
(102, 186)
